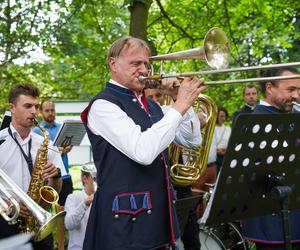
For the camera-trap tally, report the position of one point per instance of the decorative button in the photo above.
(134, 100)
(116, 216)
(149, 211)
(133, 219)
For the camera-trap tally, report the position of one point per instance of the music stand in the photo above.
(183, 207)
(262, 159)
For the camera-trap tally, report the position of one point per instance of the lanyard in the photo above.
(27, 157)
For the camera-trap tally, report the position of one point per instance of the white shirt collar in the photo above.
(139, 96)
(17, 135)
(116, 83)
(262, 102)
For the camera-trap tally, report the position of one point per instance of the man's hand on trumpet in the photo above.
(24, 211)
(184, 95)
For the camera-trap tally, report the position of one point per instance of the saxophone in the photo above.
(45, 196)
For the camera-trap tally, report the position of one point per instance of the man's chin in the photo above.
(288, 107)
(49, 121)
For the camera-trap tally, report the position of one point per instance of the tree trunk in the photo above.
(139, 16)
(138, 20)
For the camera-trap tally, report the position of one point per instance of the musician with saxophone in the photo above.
(18, 151)
(133, 206)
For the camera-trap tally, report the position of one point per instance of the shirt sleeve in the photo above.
(75, 210)
(188, 133)
(115, 126)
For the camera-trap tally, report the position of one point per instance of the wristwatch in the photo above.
(58, 175)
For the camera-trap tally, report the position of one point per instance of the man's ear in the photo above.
(112, 63)
(269, 87)
(11, 107)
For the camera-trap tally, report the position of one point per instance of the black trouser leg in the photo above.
(190, 237)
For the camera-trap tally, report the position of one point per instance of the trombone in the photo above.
(216, 53)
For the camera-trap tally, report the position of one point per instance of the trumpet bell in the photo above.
(49, 226)
(215, 51)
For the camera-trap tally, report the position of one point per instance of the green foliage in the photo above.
(72, 38)
(260, 31)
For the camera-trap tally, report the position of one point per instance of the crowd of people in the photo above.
(128, 199)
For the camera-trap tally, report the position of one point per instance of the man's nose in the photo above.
(34, 110)
(144, 68)
(296, 95)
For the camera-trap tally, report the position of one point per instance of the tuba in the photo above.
(216, 53)
(45, 196)
(195, 159)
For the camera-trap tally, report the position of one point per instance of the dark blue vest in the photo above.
(268, 229)
(132, 208)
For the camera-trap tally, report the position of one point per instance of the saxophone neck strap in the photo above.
(28, 157)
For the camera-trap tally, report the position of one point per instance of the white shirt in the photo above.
(212, 157)
(114, 125)
(76, 219)
(222, 134)
(12, 161)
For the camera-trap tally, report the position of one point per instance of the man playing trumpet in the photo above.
(133, 207)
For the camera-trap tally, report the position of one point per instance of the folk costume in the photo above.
(133, 208)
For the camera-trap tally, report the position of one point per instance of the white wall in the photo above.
(79, 154)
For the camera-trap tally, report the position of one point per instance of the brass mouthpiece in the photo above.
(34, 121)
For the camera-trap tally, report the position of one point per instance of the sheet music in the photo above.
(71, 133)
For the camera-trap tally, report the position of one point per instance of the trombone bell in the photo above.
(215, 51)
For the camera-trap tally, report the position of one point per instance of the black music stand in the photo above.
(261, 166)
(183, 207)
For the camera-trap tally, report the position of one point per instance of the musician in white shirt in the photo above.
(134, 207)
(18, 150)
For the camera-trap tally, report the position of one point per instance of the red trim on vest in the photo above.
(173, 241)
(143, 100)
(85, 112)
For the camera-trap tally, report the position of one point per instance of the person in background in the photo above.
(47, 110)
(18, 151)
(250, 96)
(155, 95)
(267, 231)
(222, 133)
(78, 206)
(133, 208)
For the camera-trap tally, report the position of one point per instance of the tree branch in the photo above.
(164, 13)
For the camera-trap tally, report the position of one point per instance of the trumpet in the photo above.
(10, 209)
(216, 53)
(296, 104)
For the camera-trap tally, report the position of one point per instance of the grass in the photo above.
(76, 177)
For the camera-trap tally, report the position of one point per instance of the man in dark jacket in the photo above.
(133, 207)
(267, 231)
(250, 96)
